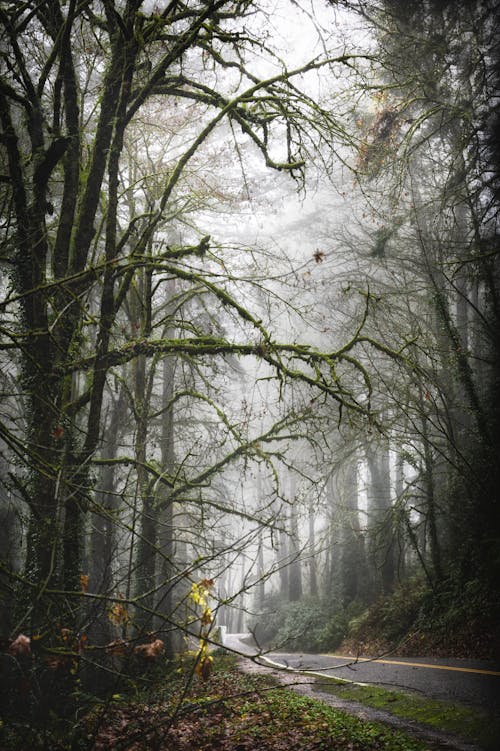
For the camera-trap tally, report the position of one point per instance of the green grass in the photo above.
(284, 720)
(467, 723)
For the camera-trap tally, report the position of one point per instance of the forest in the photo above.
(249, 338)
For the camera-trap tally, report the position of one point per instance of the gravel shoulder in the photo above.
(306, 685)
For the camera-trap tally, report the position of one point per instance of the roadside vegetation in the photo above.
(469, 724)
(417, 620)
(181, 712)
(413, 620)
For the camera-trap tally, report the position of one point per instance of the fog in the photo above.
(249, 305)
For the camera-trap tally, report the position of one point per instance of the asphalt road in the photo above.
(468, 682)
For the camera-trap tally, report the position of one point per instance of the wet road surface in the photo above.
(469, 682)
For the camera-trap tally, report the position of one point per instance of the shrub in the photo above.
(309, 625)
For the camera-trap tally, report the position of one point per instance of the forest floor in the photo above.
(437, 724)
(241, 706)
(237, 711)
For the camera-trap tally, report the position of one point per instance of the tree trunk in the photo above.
(295, 567)
(354, 575)
(283, 550)
(431, 514)
(380, 516)
(166, 545)
(146, 554)
(102, 543)
(146, 545)
(313, 579)
(10, 534)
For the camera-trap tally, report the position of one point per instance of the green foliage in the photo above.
(391, 617)
(462, 618)
(284, 719)
(464, 722)
(455, 618)
(311, 624)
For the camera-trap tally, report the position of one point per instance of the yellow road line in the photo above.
(417, 665)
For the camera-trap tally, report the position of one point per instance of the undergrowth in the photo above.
(466, 723)
(450, 621)
(230, 711)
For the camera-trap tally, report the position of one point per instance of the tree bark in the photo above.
(380, 517)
